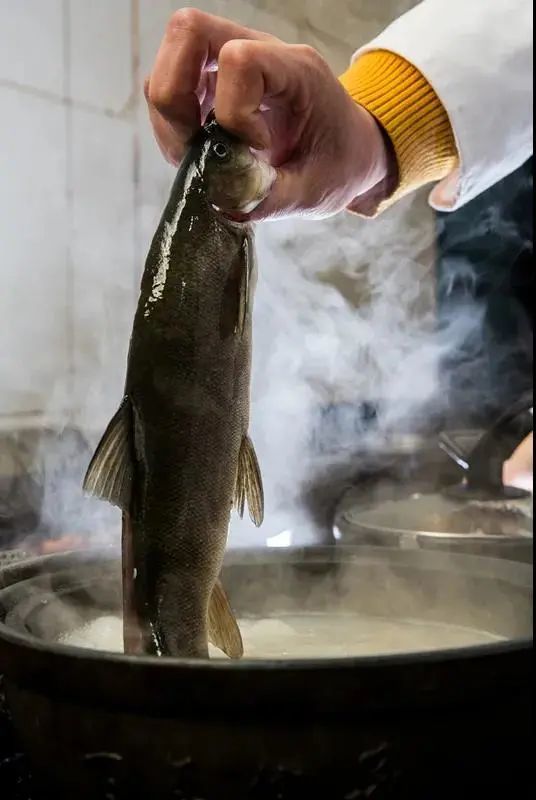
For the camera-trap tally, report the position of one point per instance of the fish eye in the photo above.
(220, 150)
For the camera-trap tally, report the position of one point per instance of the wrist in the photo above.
(368, 158)
(369, 201)
(414, 119)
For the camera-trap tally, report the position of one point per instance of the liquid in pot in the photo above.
(321, 635)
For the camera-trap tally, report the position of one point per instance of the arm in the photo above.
(451, 82)
(444, 94)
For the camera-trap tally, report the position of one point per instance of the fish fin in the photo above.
(243, 289)
(110, 472)
(223, 630)
(249, 483)
(248, 278)
(234, 306)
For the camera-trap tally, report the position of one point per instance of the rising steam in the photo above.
(344, 314)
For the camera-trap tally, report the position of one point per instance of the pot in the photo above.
(400, 460)
(482, 465)
(477, 516)
(406, 725)
(389, 516)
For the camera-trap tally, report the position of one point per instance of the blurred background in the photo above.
(364, 331)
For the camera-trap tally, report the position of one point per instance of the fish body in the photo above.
(177, 456)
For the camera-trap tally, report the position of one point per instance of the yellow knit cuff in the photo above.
(410, 112)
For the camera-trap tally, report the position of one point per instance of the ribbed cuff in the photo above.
(411, 114)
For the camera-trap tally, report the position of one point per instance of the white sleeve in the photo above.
(477, 56)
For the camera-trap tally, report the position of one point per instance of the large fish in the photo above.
(176, 456)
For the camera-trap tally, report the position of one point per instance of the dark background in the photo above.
(486, 258)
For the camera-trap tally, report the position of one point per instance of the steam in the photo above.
(339, 608)
(377, 345)
(344, 316)
(344, 322)
(348, 352)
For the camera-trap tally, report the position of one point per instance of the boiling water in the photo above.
(311, 636)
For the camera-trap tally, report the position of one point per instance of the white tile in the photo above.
(105, 271)
(348, 22)
(101, 52)
(31, 43)
(153, 17)
(33, 229)
(261, 19)
(156, 178)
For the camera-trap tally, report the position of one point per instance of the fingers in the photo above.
(265, 92)
(206, 93)
(284, 198)
(299, 189)
(249, 72)
(269, 75)
(191, 44)
(170, 142)
(176, 73)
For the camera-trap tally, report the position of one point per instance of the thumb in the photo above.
(293, 193)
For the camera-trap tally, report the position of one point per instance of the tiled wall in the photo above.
(82, 183)
(66, 197)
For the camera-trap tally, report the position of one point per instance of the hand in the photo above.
(281, 99)
(518, 470)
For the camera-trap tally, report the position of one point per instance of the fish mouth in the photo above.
(258, 181)
(265, 176)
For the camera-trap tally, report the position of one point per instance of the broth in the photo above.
(311, 636)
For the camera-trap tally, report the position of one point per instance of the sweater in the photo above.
(411, 115)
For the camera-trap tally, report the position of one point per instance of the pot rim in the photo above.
(279, 664)
(312, 689)
(473, 538)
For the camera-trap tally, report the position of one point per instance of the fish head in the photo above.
(235, 179)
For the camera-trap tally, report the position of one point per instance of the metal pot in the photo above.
(386, 515)
(413, 725)
(482, 465)
(403, 460)
(479, 515)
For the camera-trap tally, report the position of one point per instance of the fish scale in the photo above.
(177, 455)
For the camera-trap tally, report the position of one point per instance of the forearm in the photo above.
(412, 116)
(466, 76)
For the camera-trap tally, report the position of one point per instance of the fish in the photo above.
(176, 457)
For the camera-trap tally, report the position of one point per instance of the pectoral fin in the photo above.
(223, 630)
(110, 472)
(237, 292)
(244, 288)
(249, 483)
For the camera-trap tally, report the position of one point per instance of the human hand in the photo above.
(518, 469)
(282, 100)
